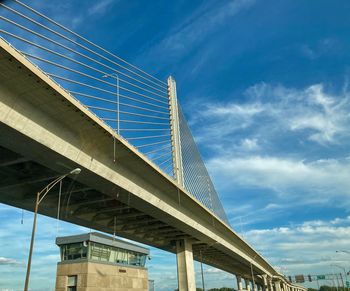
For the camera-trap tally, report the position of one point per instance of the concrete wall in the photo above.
(94, 276)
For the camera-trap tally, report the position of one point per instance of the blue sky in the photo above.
(265, 88)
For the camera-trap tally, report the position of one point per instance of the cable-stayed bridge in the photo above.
(66, 102)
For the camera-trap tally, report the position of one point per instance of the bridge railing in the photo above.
(132, 102)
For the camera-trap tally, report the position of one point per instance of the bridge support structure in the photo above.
(175, 132)
(239, 283)
(185, 266)
(247, 284)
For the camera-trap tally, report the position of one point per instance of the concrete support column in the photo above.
(265, 286)
(277, 285)
(270, 285)
(247, 284)
(185, 267)
(239, 283)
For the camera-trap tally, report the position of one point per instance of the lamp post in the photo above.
(251, 270)
(39, 197)
(202, 270)
(201, 258)
(340, 267)
(116, 77)
(336, 285)
(345, 273)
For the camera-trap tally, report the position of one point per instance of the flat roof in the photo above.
(102, 239)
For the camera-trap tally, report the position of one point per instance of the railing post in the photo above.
(175, 132)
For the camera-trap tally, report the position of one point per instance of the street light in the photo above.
(251, 270)
(39, 197)
(340, 267)
(200, 252)
(345, 273)
(338, 285)
(115, 76)
(201, 258)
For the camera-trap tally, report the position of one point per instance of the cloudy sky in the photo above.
(265, 88)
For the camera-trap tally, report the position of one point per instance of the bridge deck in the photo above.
(45, 132)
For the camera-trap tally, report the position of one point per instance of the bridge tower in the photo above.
(175, 132)
(184, 252)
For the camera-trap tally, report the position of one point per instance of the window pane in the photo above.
(72, 281)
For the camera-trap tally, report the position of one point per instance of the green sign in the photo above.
(347, 284)
(321, 277)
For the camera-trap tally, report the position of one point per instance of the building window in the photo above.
(74, 251)
(100, 252)
(72, 283)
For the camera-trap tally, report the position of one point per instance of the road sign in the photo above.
(299, 279)
(347, 284)
(321, 277)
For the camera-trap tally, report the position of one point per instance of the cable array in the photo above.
(196, 177)
(132, 102)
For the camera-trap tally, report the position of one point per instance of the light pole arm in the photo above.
(48, 187)
(43, 194)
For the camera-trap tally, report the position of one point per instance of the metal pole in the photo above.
(342, 268)
(342, 281)
(118, 112)
(26, 284)
(202, 270)
(334, 282)
(251, 269)
(39, 197)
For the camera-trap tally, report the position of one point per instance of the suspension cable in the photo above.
(93, 44)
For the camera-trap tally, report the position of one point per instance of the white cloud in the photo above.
(308, 246)
(100, 7)
(249, 144)
(316, 182)
(199, 28)
(276, 111)
(10, 262)
(200, 25)
(326, 46)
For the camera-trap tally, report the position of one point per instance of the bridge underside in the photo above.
(22, 177)
(95, 201)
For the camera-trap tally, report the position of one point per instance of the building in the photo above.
(97, 262)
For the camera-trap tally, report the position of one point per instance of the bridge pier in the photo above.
(239, 283)
(277, 285)
(255, 287)
(270, 285)
(247, 284)
(185, 267)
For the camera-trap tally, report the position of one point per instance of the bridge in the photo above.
(66, 102)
